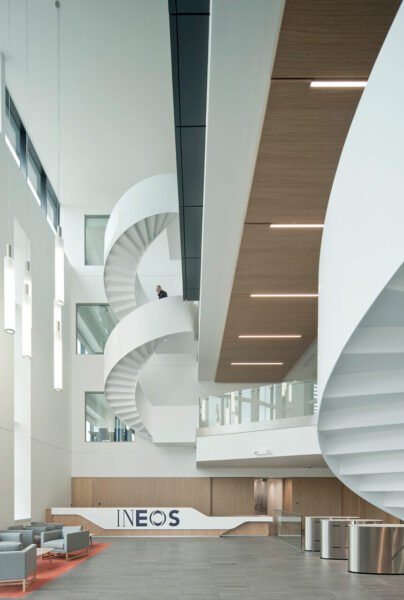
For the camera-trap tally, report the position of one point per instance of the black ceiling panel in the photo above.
(189, 29)
(193, 267)
(192, 167)
(193, 36)
(193, 231)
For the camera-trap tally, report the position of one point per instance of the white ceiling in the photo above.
(117, 108)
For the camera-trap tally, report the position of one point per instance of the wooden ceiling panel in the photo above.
(332, 38)
(303, 134)
(257, 316)
(254, 316)
(302, 138)
(277, 260)
(226, 373)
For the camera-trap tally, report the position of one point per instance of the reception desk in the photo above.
(376, 549)
(157, 521)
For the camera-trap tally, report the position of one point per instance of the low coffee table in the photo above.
(45, 553)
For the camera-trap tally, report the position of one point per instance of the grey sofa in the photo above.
(16, 566)
(36, 531)
(68, 540)
(27, 535)
(49, 526)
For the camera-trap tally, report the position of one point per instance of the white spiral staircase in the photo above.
(139, 217)
(361, 300)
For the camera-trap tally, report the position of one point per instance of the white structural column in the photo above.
(361, 303)
(141, 215)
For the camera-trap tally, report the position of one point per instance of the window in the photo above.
(94, 228)
(101, 424)
(28, 161)
(94, 323)
(34, 174)
(13, 140)
(52, 207)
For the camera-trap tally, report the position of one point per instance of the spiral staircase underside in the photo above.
(361, 417)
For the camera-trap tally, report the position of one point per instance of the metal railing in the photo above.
(259, 404)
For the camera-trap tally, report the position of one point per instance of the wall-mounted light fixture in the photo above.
(9, 291)
(57, 348)
(26, 312)
(59, 268)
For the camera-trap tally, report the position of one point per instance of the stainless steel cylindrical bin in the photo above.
(376, 549)
(334, 537)
(312, 532)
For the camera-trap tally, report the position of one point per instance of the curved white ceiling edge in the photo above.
(363, 242)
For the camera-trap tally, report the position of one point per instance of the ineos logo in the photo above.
(157, 518)
(131, 518)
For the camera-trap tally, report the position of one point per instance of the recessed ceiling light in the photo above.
(283, 295)
(269, 337)
(296, 226)
(338, 84)
(258, 364)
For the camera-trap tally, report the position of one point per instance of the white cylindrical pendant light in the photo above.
(9, 291)
(203, 409)
(26, 313)
(57, 348)
(227, 413)
(233, 402)
(59, 268)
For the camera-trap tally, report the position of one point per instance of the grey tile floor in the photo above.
(214, 569)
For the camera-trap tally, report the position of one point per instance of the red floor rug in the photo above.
(46, 572)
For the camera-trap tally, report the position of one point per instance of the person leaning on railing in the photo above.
(160, 292)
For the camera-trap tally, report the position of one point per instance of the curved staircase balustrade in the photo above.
(361, 299)
(139, 217)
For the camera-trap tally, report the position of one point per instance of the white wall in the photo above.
(50, 418)
(363, 241)
(285, 442)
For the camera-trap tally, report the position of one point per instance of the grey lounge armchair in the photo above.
(16, 566)
(27, 535)
(10, 540)
(70, 539)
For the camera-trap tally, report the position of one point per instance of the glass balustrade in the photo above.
(288, 527)
(259, 404)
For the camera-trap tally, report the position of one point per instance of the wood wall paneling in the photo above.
(287, 495)
(350, 502)
(82, 491)
(153, 491)
(232, 496)
(328, 496)
(316, 496)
